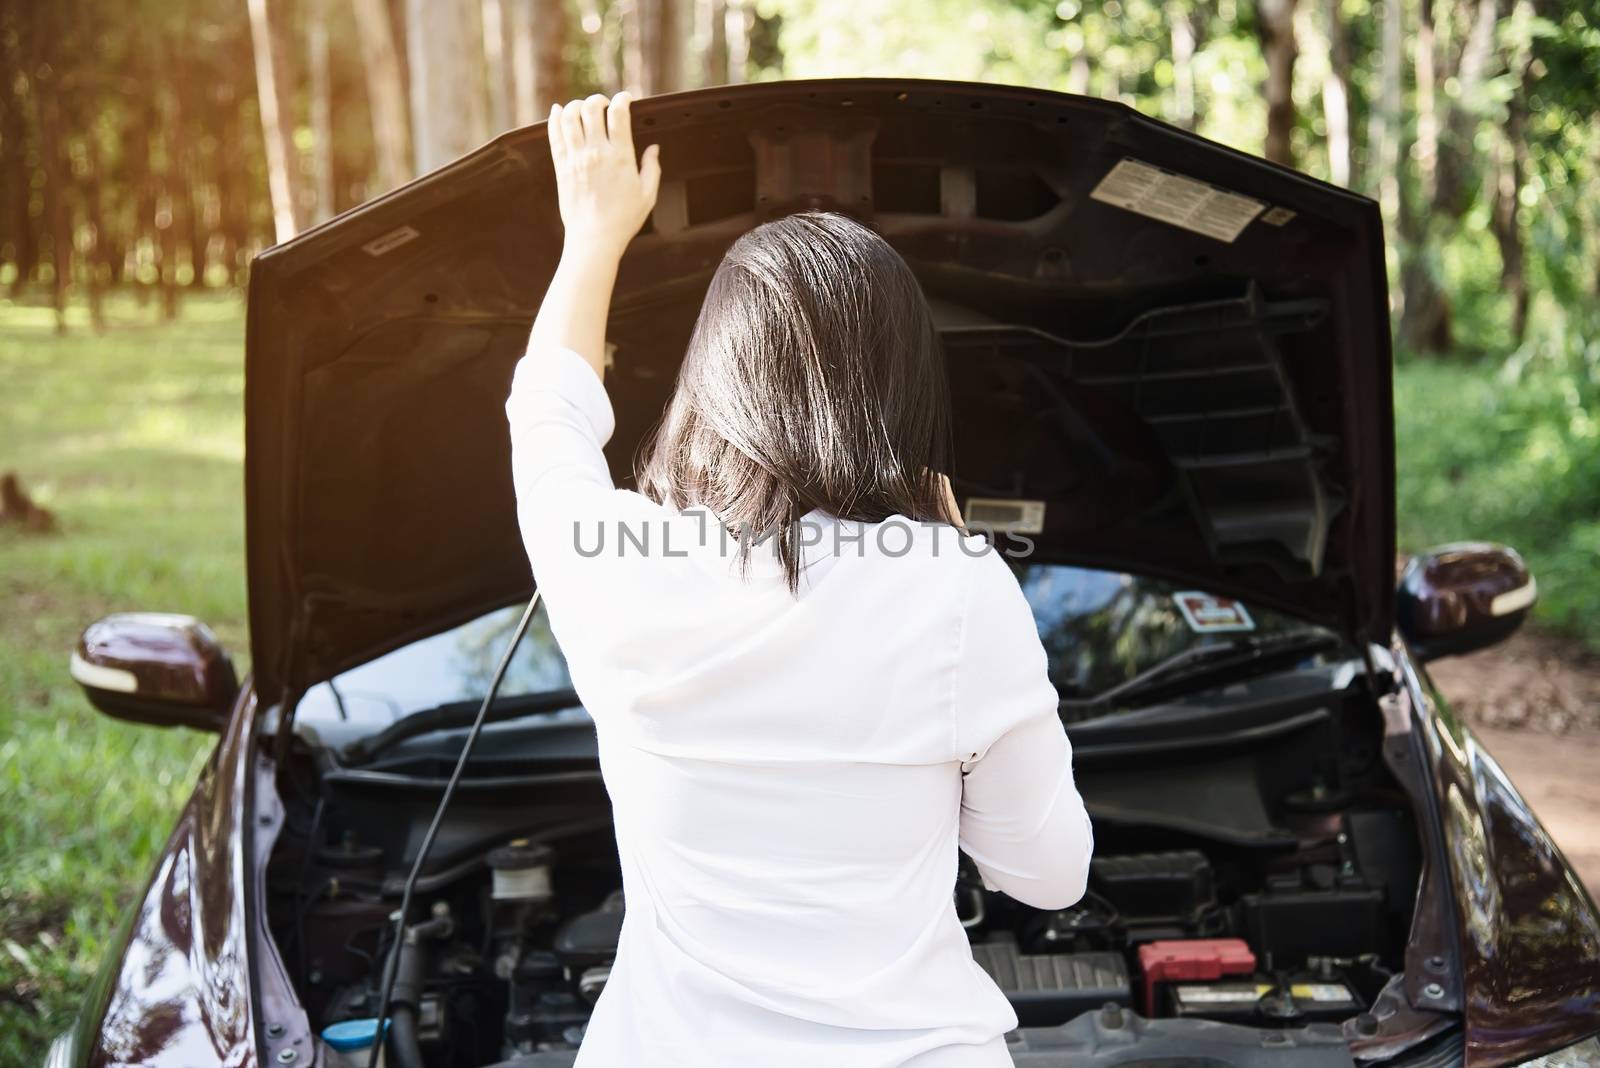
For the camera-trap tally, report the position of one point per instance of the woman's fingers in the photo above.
(553, 133)
(650, 173)
(572, 126)
(594, 120)
(619, 122)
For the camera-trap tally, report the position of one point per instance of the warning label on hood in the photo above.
(1172, 198)
(1206, 614)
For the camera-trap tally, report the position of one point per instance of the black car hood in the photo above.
(1180, 350)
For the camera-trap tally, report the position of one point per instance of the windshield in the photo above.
(1102, 628)
(1099, 628)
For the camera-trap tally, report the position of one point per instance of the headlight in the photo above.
(1585, 1054)
(63, 1051)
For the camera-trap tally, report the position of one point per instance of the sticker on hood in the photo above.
(1207, 614)
(390, 241)
(1172, 198)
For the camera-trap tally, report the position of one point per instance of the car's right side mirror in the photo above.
(1459, 598)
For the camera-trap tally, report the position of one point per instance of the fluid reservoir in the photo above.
(521, 871)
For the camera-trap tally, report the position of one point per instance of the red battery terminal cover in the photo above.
(1202, 958)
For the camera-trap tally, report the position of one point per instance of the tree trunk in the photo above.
(321, 111)
(470, 12)
(57, 175)
(443, 82)
(518, 15)
(1276, 28)
(1445, 148)
(497, 64)
(1336, 94)
(550, 84)
(537, 52)
(633, 14)
(186, 117)
(664, 46)
(272, 87)
(714, 66)
(232, 212)
(1453, 185)
(94, 250)
(167, 210)
(17, 87)
(1182, 34)
(145, 235)
(1385, 131)
(1424, 64)
(739, 19)
(386, 92)
(1511, 173)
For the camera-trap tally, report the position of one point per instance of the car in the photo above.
(1171, 371)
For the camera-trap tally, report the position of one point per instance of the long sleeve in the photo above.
(559, 418)
(1022, 819)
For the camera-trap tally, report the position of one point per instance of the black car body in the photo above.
(1171, 366)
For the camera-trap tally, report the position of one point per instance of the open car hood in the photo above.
(1180, 350)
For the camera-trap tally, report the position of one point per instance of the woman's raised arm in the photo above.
(605, 195)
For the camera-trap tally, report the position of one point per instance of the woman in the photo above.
(809, 687)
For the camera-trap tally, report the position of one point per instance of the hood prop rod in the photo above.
(391, 965)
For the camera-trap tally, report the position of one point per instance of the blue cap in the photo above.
(348, 1035)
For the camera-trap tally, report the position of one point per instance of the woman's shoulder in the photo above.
(928, 554)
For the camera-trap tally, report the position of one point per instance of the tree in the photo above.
(17, 141)
(1275, 24)
(1446, 156)
(447, 106)
(549, 52)
(272, 88)
(386, 92)
(1183, 47)
(1336, 94)
(497, 60)
(652, 46)
(321, 110)
(714, 64)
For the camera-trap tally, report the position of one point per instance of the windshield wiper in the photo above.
(456, 714)
(1240, 657)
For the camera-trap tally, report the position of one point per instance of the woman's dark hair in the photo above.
(814, 379)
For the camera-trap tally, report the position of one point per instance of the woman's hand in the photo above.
(605, 196)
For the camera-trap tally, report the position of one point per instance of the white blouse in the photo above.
(791, 776)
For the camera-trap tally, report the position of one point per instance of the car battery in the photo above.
(1047, 989)
(1259, 1000)
(1197, 958)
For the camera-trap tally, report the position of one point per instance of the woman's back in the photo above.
(786, 767)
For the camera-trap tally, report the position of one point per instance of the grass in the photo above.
(1483, 457)
(135, 441)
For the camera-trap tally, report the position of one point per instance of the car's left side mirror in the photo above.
(152, 667)
(1459, 598)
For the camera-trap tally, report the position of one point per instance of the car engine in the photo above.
(512, 938)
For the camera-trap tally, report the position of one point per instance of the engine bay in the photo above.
(1267, 881)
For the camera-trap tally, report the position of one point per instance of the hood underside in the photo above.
(1180, 350)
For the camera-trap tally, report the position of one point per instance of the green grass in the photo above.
(135, 441)
(1485, 457)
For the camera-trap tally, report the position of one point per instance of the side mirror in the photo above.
(151, 667)
(1459, 598)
